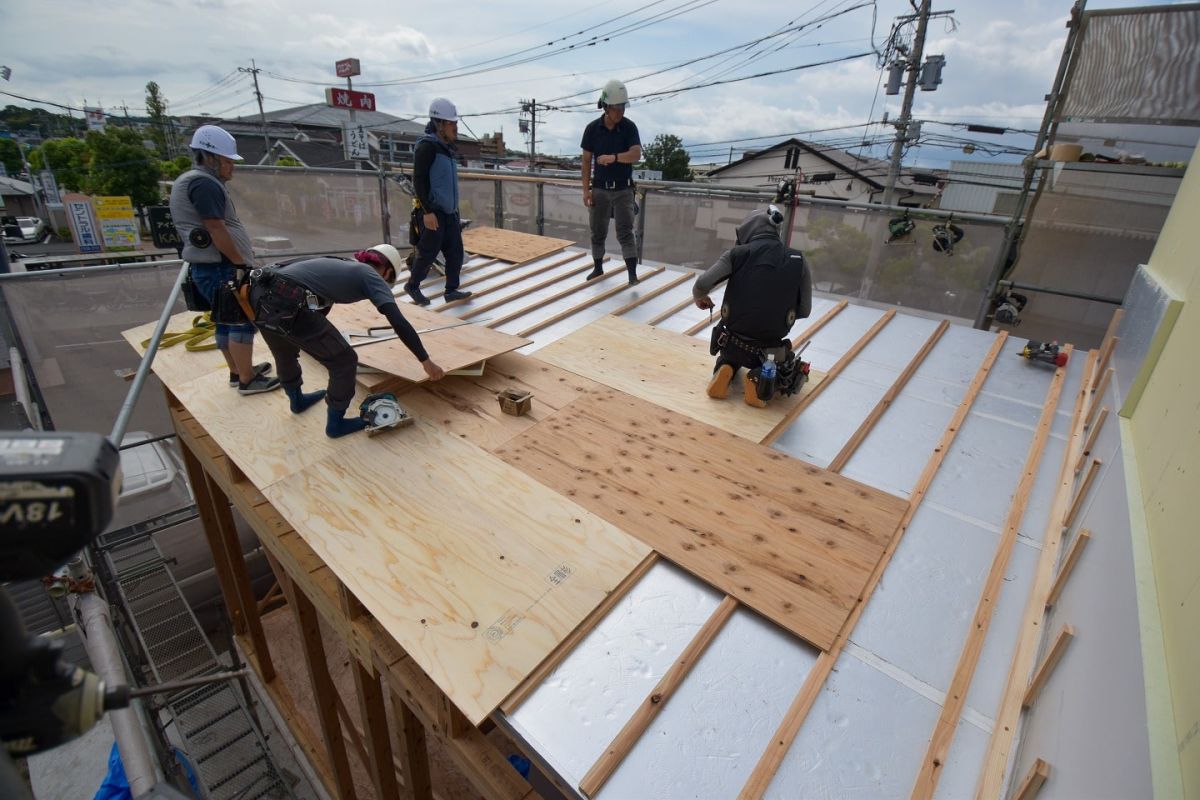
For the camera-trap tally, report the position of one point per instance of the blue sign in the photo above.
(83, 226)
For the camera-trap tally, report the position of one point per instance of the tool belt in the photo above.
(790, 372)
(723, 338)
(277, 301)
(193, 298)
(613, 186)
(229, 307)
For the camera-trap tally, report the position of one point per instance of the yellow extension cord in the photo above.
(199, 337)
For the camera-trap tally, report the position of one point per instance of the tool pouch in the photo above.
(279, 306)
(716, 341)
(193, 298)
(227, 310)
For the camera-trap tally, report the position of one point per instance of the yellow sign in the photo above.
(113, 207)
(118, 225)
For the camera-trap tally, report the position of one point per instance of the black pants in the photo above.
(447, 240)
(312, 333)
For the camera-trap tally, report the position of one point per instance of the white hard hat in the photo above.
(614, 93)
(214, 139)
(443, 109)
(391, 254)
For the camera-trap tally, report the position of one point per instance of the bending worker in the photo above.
(770, 287)
(290, 305)
(217, 247)
(435, 181)
(611, 146)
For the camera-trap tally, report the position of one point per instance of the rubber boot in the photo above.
(631, 268)
(718, 387)
(300, 401)
(751, 394)
(597, 270)
(337, 425)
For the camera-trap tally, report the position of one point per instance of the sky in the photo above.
(1001, 57)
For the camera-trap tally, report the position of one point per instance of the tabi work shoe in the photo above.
(718, 387)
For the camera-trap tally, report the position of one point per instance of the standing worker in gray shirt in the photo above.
(290, 305)
(217, 247)
(611, 146)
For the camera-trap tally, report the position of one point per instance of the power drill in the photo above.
(1046, 352)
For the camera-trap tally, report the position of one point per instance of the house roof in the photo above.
(12, 186)
(323, 116)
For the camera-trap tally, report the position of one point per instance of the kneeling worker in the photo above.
(290, 304)
(770, 287)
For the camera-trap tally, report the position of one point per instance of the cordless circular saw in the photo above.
(382, 411)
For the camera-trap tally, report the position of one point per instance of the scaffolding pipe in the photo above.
(96, 625)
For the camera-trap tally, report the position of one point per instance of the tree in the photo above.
(121, 165)
(175, 167)
(666, 153)
(156, 106)
(10, 156)
(67, 158)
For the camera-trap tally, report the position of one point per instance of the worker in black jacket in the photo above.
(290, 305)
(770, 287)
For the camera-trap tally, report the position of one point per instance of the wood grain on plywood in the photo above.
(450, 348)
(668, 369)
(792, 541)
(177, 363)
(476, 570)
(510, 245)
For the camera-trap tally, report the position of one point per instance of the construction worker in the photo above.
(611, 146)
(435, 181)
(290, 304)
(770, 287)
(217, 246)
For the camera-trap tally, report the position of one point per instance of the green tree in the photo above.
(666, 153)
(67, 158)
(156, 106)
(10, 156)
(121, 165)
(175, 167)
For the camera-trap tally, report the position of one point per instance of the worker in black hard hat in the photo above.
(770, 287)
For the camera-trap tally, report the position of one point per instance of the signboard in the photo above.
(348, 98)
(95, 118)
(118, 225)
(348, 68)
(83, 223)
(356, 141)
(49, 187)
(162, 228)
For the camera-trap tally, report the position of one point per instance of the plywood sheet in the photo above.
(450, 348)
(510, 245)
(666, 368)
(467, 406)
(477, 570)
(792, 541)
(175, 364)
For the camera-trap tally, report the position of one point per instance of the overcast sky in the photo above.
(1001, 56)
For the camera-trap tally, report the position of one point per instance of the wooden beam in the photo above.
(833, 372)
(612, 757)
(575, 309)
(1033, 780)
(1098, 396)
(648, 296)
(670, 312)
(551, 662)
(995, 765)
(434, 278)
(1064, 573)
(414, 754)
(768, 764)
(475, 311)
(375, 731)
(1106, 355)
(1057, 650)
(324, 693)
(570, 290)
(1091, 440)
(702, 324)
(231, 551)
(811, 330)
(1082, 493)
(934, 762)
(885, 402)
(510, 281)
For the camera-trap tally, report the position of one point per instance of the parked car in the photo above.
(25, 229)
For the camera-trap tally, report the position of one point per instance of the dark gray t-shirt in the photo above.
(338, 280)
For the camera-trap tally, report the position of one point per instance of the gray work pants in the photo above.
(607, 203)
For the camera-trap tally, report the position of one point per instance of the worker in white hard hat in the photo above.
(291, 301)
(611, 146)
(435, 181)
(217, 246)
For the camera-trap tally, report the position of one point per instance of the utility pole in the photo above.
(262, 117)
(910, 88)
(531, 107)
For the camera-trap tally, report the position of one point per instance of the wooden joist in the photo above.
(1090, 444)
(524, 291)
(1082, 494)
(648, 296)
(586, 304)
(670, 312)
(496, 322)
(1064, 572)
(1043, 672)
(1098, 396)
(1031, 784)
(515, 279)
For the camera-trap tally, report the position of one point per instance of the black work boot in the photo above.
(631, 268)
(597, 270)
